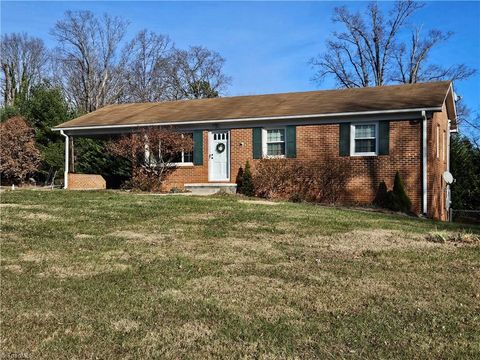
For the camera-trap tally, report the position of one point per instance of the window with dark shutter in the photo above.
(198, 147)
(344, 137)
(383, 137)
(291, 141)
(257, 142)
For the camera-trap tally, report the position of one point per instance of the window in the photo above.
(220, 136)
(181, 158)
(184, 157)
(274, 142)
(364, 139)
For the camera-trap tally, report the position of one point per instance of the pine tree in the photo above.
(399, 190)
(382, 195)
(247, 182)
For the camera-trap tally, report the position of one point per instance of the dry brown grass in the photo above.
(164, 277)
(259, 202)
(141, 237)
(20, 206)
(13, 268)
(83, 270)
(39, 256)
(39, 216)
(125, 325)
(82, 236)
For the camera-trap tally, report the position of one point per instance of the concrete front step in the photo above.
(211, 188)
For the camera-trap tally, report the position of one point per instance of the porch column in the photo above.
(72, 155)
(67, 162)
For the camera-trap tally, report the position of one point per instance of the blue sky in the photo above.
(266, 45)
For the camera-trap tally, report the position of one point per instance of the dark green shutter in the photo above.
(344, 139)
(198, 147)
(291, 135)
(383, 137)
(257, 142)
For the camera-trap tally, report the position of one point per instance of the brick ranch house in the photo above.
(382, 130)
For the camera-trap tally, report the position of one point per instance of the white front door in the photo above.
(219, 155)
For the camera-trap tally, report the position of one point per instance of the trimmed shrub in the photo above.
(315, 181)
(272, 179)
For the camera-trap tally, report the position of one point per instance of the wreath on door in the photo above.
(220, 148)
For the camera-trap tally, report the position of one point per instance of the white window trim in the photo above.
(352, 139)
(183, 163)
(264, 142)
(438, 141)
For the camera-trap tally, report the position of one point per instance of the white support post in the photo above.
(67, 161)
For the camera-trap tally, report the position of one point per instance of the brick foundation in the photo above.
(86, 182)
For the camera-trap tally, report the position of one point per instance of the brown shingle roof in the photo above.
(384, 98)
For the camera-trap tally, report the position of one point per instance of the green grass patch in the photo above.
(115, 275)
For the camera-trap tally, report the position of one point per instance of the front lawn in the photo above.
(112, 275)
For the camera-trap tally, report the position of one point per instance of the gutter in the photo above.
(65, 173)
(424, 164)
(193, 122)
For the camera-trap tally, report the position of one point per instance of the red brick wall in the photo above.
(190, 174)
(321, 142)
(437, 165)
(86, 182)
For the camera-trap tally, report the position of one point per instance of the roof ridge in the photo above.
(288, 93)
(390, 98)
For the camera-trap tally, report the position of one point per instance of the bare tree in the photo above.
(149, 54)
(412, 60)
(369, 51)
(24, 60)
(152, 153)
(468, 121)
(195, 73)
(90, 67)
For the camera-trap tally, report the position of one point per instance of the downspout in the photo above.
(448, 144)
(67, 152)
(449, 191)
(424, 164)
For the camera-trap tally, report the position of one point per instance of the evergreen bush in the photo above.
(397, 199)
(404, 201)
(247, 182)
(381, 196)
